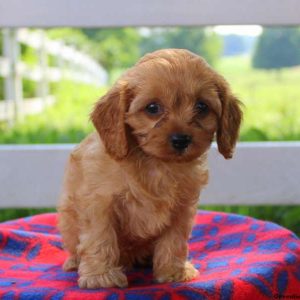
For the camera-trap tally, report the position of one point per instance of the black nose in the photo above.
(180, 141)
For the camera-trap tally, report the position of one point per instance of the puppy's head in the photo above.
(170, 105)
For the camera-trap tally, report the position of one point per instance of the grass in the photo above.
(12, 213)
(272, 110)
(67, 121)
(272, 107)
(271, 98)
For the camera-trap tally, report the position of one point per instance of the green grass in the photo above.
(12, 213)
(271, 98)
(67, 121)
(271, 112)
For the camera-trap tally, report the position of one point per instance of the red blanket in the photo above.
(238, 258)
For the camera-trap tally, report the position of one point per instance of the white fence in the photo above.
(115, 13)
(71, 64)
(259, 173)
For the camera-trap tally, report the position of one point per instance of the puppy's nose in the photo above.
(180, 141)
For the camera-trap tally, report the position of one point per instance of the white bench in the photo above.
(259, 173)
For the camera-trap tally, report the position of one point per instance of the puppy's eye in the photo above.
(201, 107)
(153, 109)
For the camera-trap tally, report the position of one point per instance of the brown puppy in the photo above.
(131, 190)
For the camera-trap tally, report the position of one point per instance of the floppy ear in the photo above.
(108, 118)
(229, 123)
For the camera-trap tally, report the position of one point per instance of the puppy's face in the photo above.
(171, 104)
(174, 113)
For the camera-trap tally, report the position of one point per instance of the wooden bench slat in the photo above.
(115, 13)
(259, 173)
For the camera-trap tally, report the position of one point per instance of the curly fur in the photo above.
(128, 197)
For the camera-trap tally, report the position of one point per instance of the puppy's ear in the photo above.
(230, 121)
(108, 118)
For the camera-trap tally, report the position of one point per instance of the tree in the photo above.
(195, 39)
(211, 48)
(71, 36)
(115, 48)
(277, 48)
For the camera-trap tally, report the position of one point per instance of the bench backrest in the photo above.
(259, 173)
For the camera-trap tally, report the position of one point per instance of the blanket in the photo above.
(237, 257)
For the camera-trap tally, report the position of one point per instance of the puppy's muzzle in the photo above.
(180, 141)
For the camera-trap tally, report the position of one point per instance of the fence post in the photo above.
(43, 87)
(8, 93)
(13, 89)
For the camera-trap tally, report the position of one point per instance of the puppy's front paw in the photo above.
(111, 278)
(70, 264)
(175, 274)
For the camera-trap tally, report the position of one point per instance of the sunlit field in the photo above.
(271, 107)
(271, 98)
(67, 121)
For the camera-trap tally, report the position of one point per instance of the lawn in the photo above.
(271, 98)
(272, 110)
(67, 121)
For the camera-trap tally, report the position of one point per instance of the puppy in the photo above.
(131, 189)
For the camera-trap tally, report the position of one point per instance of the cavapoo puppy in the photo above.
(131, 189)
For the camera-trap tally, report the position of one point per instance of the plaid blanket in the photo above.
(238, 258)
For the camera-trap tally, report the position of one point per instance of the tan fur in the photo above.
(128, 196)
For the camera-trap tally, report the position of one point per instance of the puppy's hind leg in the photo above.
(68, 226)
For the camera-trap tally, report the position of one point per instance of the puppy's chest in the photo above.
(147, 207)
(143, 218)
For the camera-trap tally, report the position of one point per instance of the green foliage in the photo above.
(272, 107)
(1, 88)
(29, 88)
(115, 48)
(67, 121)
(120, 48)
(29, 55)
(173, 37)
(72, 37)
(277, 48)
(211, 48)
(272, 104)
(195, 39)
(11, 213)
